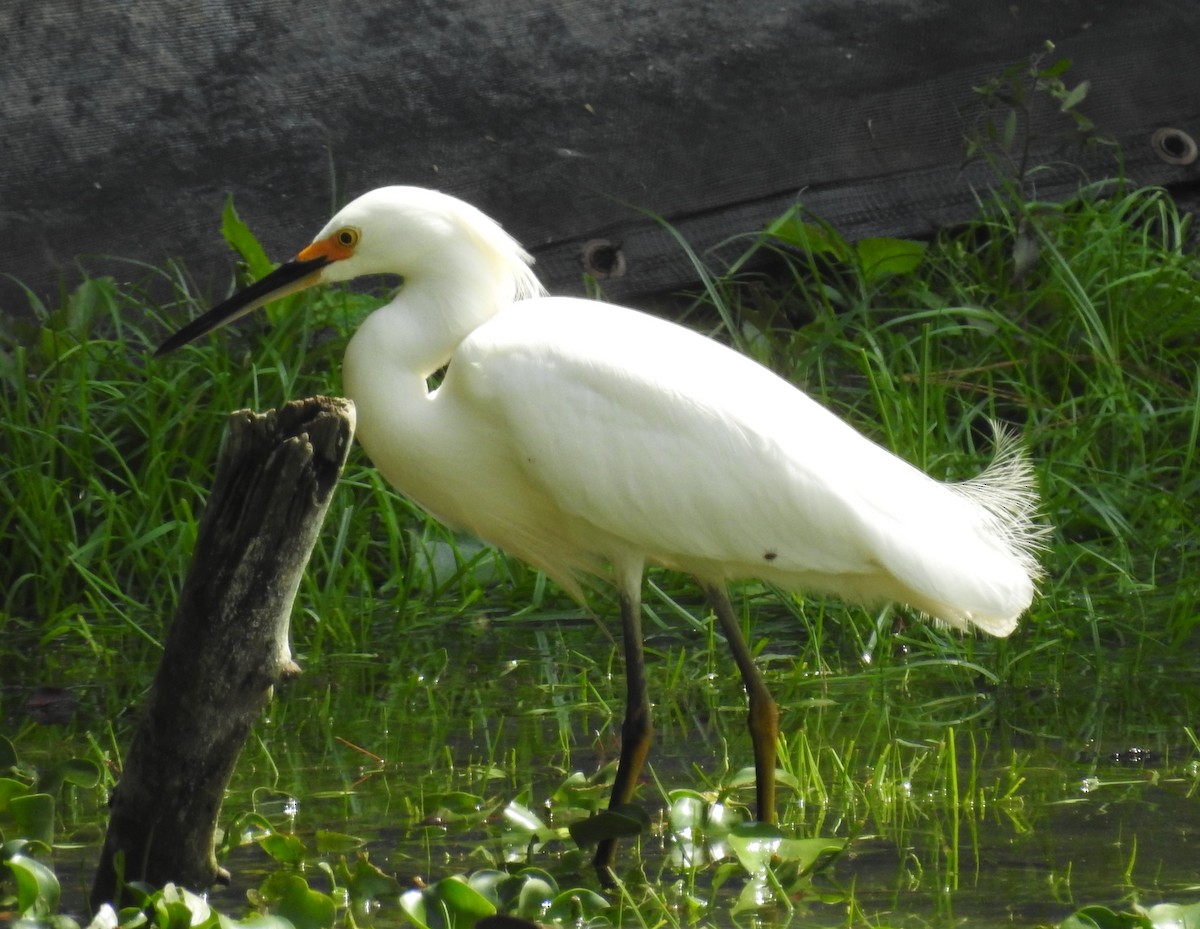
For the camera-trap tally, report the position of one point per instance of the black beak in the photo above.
(288, 278)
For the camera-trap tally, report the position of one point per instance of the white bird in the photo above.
(591, 439)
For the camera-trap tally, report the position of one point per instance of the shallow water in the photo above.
(1066, 796)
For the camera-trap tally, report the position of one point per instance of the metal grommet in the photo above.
(602, 259)
(1174, 146)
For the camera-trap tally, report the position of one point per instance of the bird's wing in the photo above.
(684, 452)
(684, 449)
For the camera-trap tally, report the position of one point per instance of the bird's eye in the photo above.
(348, 237)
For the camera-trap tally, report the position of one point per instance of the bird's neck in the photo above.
(420, 329)
(386, 369)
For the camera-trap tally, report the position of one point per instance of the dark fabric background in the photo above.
(124, 125)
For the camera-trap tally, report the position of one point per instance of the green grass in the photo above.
(1076, 323)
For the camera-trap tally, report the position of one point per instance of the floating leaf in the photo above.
(504, 921)
(449, 904)
(38, 890)
(34, 816)
(290, 897)
(81, 772)
(177, 908)
(105, 918)
(756, 894)
(335, 842)
(8, 755)
(1101, 917)
(523, 819)
(283, 847)
(365, 882)
(759, 846)
(490, 883)
(536, 893)
(581, 792)
(755, 844)
(1174, 916)
(10, 788)
(575, 907)
(455, 806)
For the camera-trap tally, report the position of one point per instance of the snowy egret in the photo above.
(591, 439)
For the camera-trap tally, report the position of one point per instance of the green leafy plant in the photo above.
(1014, 93)
(455, 695)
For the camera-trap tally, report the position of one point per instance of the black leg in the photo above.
(764, 713)
(638, 729)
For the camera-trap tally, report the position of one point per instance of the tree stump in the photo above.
(228, 645)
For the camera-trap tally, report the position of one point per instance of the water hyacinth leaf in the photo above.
(580, 792)
(451, 903)
(1174, 916)
(490, 883)
(721, 817)
(622, 822)
(81, 772)
(34, 816)
(364, 881)
(337, 842)
(10, 788)
(455, 806)
(253, 921)
(759, 846)
(687, 811)
(37, 886)
(575, 907)
(177, 908)
(524, 820)
(8, 755)
(756, 894)
(809, 855)
(692, 812)
(507, 891)
(290, 897)
(1101, 917)
(246, 829)
(504, 921)
(536, 894)
(105, 918)
(77, 771)
(283, 847)
(755, 844)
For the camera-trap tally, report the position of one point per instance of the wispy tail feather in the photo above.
(1006, 491)
(977, 568)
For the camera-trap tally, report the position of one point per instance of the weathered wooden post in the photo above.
(228, 645)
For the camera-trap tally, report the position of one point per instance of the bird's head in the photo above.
(409, 231)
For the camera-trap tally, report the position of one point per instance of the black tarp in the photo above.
(124, 125)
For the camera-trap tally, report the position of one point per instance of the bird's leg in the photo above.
(764, 713)
(637, 731)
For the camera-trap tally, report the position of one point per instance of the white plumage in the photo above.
(578, 435)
